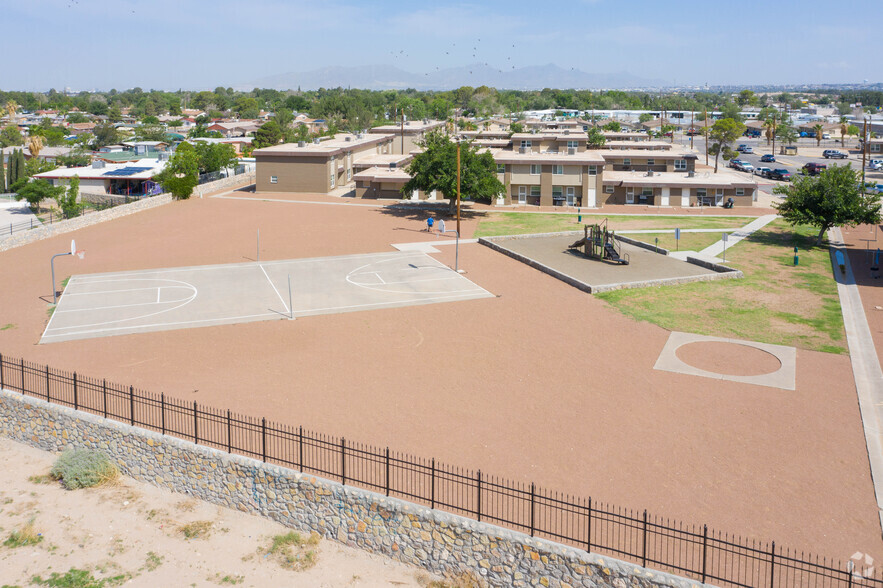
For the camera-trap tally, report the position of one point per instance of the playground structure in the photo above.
(599, 242)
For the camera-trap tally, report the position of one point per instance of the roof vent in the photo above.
(649, 173)
(691, 174)
(98, 164)
(392, 165)
(571, 150)
(522, 150)
(316, 141)
(348, 138)
(301, 143)
(566, 131)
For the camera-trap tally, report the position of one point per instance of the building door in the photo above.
(719, 197)
(522, 194)
(571, 195)
(630, 196)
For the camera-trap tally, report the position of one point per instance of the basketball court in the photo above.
(101, 305)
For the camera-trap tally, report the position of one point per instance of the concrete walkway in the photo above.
(711, 252)
(865, 364)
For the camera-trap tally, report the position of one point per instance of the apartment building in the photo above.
(407, 135)
(653, 188)
(564, 178)
(319, 166)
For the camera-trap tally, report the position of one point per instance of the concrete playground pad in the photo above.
(549, 253)
(731, 357)
(101, 305)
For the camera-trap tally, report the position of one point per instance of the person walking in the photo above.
(429, 222)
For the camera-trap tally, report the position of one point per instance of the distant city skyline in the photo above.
(199, 44)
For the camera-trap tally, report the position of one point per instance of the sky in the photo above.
(202, 44)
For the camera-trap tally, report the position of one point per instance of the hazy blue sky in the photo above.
(194, 44)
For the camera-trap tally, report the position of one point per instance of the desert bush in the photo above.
(84, 468)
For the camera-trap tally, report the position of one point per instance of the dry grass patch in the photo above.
(293, 551)
(25, 535)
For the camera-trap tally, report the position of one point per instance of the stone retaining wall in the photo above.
(93, 218)
(434, 540)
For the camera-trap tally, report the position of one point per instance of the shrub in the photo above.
(83, 468)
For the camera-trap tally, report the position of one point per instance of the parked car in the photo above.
(780, 174)
(834, 154)
(743, 148)
(747, 149)
(735, 163)
(763, 172)
(814, 169)
(768, 158)
(826, 135)
(745, 167)
(875, 164)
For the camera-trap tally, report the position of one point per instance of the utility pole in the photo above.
(403, 131)
(864, 151)
(706, 135)
(692, 130)
(458, 187)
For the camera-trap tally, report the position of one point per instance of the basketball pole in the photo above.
(258, 257)
(290, 306)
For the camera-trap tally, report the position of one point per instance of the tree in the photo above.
(853, 131)
(105, 134)
(67, 201)
(516, 127)
(15, 169)
(35, 165)
(731, 110)
(831, 199)
(746, 98)
(148, 132)
(645, 116)
(76, 158)
(35, 145)
(436, 169)
(10, 136)
(817, 129)
(36, 191)
(786, 132)
(612, 126)
(721, 135)
(214, 157)
(267, 135)
(596, 138)
(181, 173)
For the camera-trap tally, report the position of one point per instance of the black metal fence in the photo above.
(687, 550)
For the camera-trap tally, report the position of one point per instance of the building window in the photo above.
(535, 191)
(680, 165)
(651, 162)
(626, 161)
(593, 170)
(700, 193)
(608, 189)
(557, 170)
(349, 174)
(535, 169)
(572, 144)
(332, 178)
(740, 191)
(273, 179)
(875, 147)
(525, 142)
(501, 168)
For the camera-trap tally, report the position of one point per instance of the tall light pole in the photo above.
(458, 188)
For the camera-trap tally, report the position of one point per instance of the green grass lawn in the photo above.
(776, 302)
(518, 223)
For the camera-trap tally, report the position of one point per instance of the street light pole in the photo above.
(458, 189)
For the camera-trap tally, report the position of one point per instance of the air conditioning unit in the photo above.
(316, 141)
(348, 138)
(566, 131)
(571, 150)
(691, 174)
(392, 165)
(650, 173)
(301, 143)
(98, 164)
(522, 150)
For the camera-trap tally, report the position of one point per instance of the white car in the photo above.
(875, 164)
(762, 171)
(745, 167)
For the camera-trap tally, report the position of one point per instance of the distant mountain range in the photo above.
(387, 77)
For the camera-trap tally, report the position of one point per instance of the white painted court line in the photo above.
(107, 291)
(274, 289)
(391, 303)
(229, 318)
(379, 278)
(114, 306)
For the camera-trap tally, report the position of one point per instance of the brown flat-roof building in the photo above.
(676, 189)
(550, 179)
(318, 166)
(408, 134)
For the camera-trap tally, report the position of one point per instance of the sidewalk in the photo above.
(711, 252)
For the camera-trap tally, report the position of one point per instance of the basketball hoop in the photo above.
(81, 254)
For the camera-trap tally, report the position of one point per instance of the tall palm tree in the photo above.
(844, 129)
(817, 128)
(769, 126)
(11, 107)
(35, 145)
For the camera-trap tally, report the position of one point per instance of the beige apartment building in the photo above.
(318, 166)
(407, 135)
(676, 189)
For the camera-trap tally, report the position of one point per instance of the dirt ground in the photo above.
(541, 384)
(137, 529)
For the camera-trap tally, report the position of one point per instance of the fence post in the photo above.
(162, 411)
(532, 503)
(264, 438)
(195, 423)
(2, 385)
(76, 400)
(343, 461)
(229, 434)
(850, 566)
(22, 362)
(387, 471)
(47, 380)
(300, 448)
(132, 405)
(479, 495)
(104, 396)
(589, 539)
(644, 548)
(432, 484)
(704, 551)
(773, 564)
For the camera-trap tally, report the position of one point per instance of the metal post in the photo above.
(22, 364)
(52, 267)
(76, 400)
(387, 471)
(290, 305)
(532, 504)
(479, 495)
(2, 385)
(104, 397)
(343, 461)
(229, 434)
(132, 405)
(704, 551)
(432, 486)
(47, 380)
(264, 438)
(162, 409)
(258, 255)
(300, 449)
(773, 564)
(589, 538)
(195, 423)
(458, 186)
(644, 548)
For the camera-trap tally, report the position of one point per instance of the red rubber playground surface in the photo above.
(540, 383)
